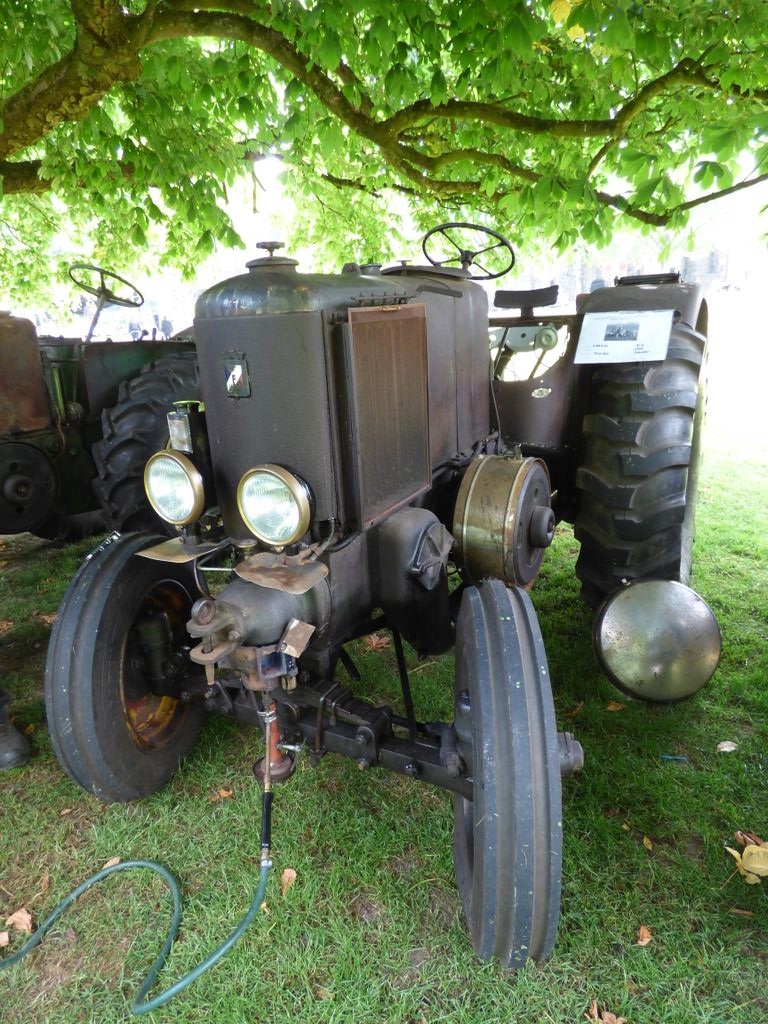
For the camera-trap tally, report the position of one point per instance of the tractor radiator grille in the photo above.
(386, 372)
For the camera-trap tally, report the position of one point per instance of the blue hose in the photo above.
(140, 1005)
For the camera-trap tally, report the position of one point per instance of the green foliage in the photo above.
(548, 118)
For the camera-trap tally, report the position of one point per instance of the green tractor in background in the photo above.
(79, 418)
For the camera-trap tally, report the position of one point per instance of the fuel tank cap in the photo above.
(657, 640)
(271, 260)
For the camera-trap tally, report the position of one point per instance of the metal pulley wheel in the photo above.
(503, 520)
(28, 487)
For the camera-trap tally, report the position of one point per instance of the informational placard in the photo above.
(624, 336)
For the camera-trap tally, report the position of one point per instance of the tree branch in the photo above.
(490, 113)
(22, 177)
(69, 89)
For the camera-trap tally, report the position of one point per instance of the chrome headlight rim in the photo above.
(194, 477)
(300, 492)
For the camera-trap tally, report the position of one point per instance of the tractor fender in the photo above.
(23, 400)
(687, 300)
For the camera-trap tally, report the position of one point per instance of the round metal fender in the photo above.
(657, 640)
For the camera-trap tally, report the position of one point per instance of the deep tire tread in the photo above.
(637, 479)
(134, 429)
(510, 880)
(81, 740)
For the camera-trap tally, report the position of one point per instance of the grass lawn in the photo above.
(371, 931)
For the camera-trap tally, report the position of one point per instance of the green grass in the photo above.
(371, 932)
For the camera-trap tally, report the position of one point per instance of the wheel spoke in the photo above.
(455, 245)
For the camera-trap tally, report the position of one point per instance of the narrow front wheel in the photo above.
(508, 837)
(118, 675)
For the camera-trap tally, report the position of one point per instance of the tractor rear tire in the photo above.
(639, 477)
(133, 430)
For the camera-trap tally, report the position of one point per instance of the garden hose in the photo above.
(140, 1005)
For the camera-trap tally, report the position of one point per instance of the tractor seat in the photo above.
(528, 299)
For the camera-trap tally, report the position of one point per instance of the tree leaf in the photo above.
(21, 920)
(752, 863)
(644, 935)
(287, 879)
(376, 642)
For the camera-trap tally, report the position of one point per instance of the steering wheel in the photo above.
(104, 294)
(468, 257)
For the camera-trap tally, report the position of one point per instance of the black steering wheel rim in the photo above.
(467, 257)
(104, 293)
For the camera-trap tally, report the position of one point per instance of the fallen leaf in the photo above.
(287, 878)
(110, 863)
(21, 920)
(747, 838)
(45, 883)
(626, 827)
(644, 935)
(752, 864)
(615, 705)
(324, 993)
(4, 939)
(647, 843)
(376, 642)
(44, 617)
(5, 626)
(65, 812)
(575, 710)
(754, 860)
(29, 729)
(738, 912)
(222, 794)
(726, 747)
(593, 1013)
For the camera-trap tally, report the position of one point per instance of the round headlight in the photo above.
(174, 487)
(275, 505)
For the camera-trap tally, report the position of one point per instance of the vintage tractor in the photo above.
(79, 419)
(364, 463)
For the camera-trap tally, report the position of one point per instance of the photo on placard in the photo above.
(622, 332)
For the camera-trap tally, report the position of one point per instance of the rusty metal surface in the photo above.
(276, 572)
(388, 411)
(175, 550)
(296, 637)
(23, 397)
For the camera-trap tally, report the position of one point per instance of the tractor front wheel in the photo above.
(118, 676)
(508, 837)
